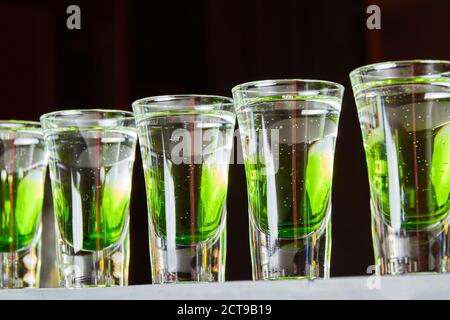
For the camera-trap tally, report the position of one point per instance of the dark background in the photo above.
(127, 50)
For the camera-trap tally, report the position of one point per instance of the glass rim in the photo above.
(18, 125)
(247, 86)
(384, 65)
(145, 102)
(58, 115)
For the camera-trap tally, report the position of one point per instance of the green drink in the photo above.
(288, 131)
(185, 154)
(209, 194)
(21, 199)
(91, 166)
(404, 111)
(422, 157)
(23, 164)
(91, 179)
(302, 181)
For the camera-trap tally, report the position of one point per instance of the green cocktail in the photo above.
(21, 199)
(288, 131)
(186, 146)
(404, 111)
(91, 157)
(23, 165)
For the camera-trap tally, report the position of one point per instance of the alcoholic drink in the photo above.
(91, 167)
(198, 217)
(185, 155)
(303, 176)
(23, 165)
(91, 178)
(404, 112)
(21, 199)
(406, 132)
(288, 131)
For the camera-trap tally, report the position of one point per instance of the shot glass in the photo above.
(288, 130)
(186, 145)
(91, 156)
(404, 113)
(23, 165)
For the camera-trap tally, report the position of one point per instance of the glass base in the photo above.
(202, 262)
(104, 268)
(283, 259)
(405, 252)
(21, 269)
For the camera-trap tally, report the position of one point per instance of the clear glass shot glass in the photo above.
(404, 113)
(186, 143)
(23, 165)
(288, 130)
(91, 157)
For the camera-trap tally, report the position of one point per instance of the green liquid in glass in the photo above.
(186, 195)
(289, 187)
(91, 183)
(21, 199)
(209, 195)
(406, 131)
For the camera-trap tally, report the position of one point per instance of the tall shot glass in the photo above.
(23, 165)
(288, 130)
(404, 113)
(186, 143)
(91, 157)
